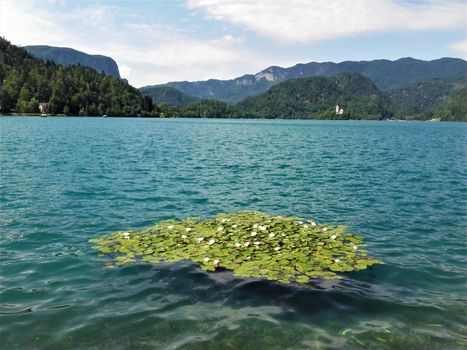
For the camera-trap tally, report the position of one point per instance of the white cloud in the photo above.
(124, 70)
(303, 21)
(151, 52)
(461, 47)
(26, 24)
(147, 53)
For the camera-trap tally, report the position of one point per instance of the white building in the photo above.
(339, 110)
(43, 107)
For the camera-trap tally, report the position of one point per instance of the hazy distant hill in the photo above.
(454, 107)
(168, 95)
(384, 73)
(316, 98)
(424, 98)
(66, 57)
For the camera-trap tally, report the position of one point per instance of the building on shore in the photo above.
(43, 107)
(339, 110)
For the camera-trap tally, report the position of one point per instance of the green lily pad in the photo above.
(251, 243)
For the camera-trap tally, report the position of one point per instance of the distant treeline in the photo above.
(316, 98)
(26, 82)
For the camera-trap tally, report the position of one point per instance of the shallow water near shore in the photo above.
(66, 180)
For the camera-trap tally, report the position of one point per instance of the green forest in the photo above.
(25, 82)
(316, 98)
(429, 98)
(75, 90)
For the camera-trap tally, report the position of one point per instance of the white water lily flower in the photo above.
(126, 233)
(254, 233)
(126, 237)
(255, 225)
(237, 245)
(184, 236)
(355, 247)
(272, 234)
(300, 222)
(234, 226)
(333, 236)
(223, 220)
(305, 226)
(188, 229)
(337, 260)
(277, 248)
(257, 243)
(206, 259)
(220, 228)
(248, 257)
(313, 223)
(246, 244)
(211, 241)
(170, 227)
(262, 228)
(199, 239)
(216, 262)
(325, 229)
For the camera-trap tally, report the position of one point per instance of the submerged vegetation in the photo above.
(250, 243)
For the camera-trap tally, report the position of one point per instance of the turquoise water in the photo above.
(65, 180)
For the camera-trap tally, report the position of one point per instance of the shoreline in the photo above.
(35, 115)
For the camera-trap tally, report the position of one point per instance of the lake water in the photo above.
(65, 180)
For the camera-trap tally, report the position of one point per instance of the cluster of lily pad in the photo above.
(250, 243)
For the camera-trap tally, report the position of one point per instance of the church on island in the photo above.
(339, 110)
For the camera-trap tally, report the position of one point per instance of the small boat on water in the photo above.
(43, 115)
(104, 116)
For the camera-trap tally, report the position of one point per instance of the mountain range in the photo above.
(385, 74)
(66, 57)
(405, 89)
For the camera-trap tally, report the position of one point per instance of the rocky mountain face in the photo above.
(385, 74)
(66, 57)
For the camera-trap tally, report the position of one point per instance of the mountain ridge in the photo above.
(170, 96)
(28, 84)
(316, 98)
(66, 56)
(386, 74)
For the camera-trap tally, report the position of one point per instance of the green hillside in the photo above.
(385, 74)
(454, 107)
(422, 99)
(316, 98)
(168, 95)
(26, 81)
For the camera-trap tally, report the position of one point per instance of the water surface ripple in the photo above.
(65, 180)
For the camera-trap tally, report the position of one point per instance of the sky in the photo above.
(157, 41)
